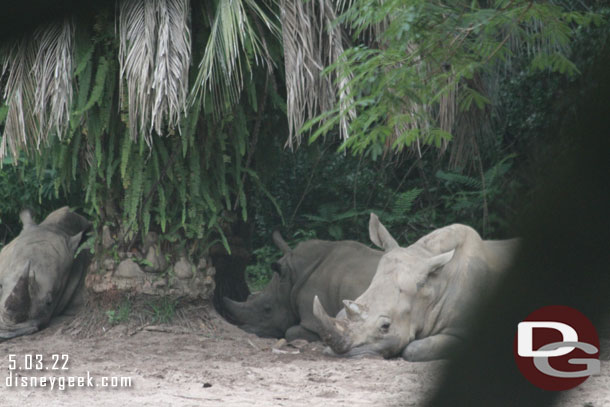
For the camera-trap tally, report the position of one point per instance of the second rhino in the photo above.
(333, 271)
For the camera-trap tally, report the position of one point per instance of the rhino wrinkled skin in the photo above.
(38, 271)
(419, 299)
(331, 270)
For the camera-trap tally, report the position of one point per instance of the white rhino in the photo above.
(39, 273)
(418, 301)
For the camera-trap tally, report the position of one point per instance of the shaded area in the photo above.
(564, 260)
(23, 17)
(230, 275)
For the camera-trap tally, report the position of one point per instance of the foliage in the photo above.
(259, 273)
(21, 187)
(120, 314)
(162, 310)
(195, 173)
(418, 68)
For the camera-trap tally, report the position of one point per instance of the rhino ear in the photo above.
(280, 242)
(74, 241)
(436, 262)
(379, 234)
(26, 218)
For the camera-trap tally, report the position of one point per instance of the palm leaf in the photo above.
(154, 56)
(38, 90)
(222, 67)
(311, 43)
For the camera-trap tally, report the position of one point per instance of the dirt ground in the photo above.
(208, 362)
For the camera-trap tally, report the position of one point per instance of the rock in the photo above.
(211, 271)
(156, 259)
(109, 264)
(107, 240)
(129, 269)
(183, 269)
(150, 240)
(202, 264)
(280, 343)
(160, 283)
(298, 343)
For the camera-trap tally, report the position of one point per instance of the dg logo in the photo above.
(557, 348)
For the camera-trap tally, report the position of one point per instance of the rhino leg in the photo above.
(431, 348)
(13, 331)
(299, 332)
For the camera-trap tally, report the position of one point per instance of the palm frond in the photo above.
(154, 56)
(38, 90)
(311, 43)
(53, 75)
(223, 64)
(19, 96)
(170, 78)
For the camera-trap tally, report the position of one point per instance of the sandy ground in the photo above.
(210, 362)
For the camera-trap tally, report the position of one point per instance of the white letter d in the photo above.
(525, 340)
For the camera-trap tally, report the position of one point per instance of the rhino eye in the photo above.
(385, 327)
(267, 309)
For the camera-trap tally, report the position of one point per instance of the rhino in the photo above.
(332, 271)
(418, 302)
(38, 271)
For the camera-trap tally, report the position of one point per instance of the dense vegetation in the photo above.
(173, 116)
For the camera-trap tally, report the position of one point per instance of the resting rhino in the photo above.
(38, 271)
(331, 270)
(417, 303)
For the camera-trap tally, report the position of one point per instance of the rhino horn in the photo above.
(18, 301)
(333, 332)
(235, 309)
(280, 242)
(353, 310)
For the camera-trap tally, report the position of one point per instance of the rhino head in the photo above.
(267, 313)
(33, 272)
(390, 313)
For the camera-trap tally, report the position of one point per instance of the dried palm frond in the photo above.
(18, 94)
(154, 56)
(53, 75)
(38, 89)
(170, 78)
(222, 67)
(311, 43)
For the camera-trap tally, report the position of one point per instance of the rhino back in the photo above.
(46, 250)
(64, 221)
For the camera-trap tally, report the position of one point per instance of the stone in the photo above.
(149, 240)
(211, 271)
(156, 260)
(202, 264)
(183, 269)
(109, 264)
(107, 240)
(160, 283)
(129, 269)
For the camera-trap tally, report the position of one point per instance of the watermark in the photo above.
(557, 348)
(51, 371)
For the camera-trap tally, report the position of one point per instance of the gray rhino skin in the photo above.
(331, 270)
(418, 302)
(38, 271)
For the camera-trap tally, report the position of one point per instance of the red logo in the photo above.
(557, 348)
